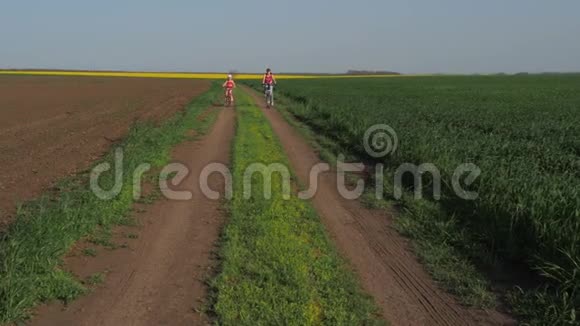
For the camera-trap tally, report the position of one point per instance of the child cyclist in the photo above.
(229, 85)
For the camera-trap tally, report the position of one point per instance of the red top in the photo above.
(230, 84)
(268, 79)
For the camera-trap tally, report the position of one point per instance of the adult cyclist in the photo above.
(269, 81)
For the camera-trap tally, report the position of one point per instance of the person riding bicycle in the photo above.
(269, 81)
(268, 78)
(229, 85)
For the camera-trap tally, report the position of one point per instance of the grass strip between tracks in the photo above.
(32, 248)
(278, 267)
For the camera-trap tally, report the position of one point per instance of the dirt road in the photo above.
(160, 279)
(379, 255)
(51, 127)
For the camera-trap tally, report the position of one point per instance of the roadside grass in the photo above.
(446, 251)
(277, 264)
(435, 236)
(45, 229)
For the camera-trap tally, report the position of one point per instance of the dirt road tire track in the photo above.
(379, 255)
(161, 279)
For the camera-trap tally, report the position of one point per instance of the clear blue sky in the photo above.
(411, 36)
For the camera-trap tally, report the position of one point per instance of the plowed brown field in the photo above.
(51, 127)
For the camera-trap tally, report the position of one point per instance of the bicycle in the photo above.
(229, 98)
(269, 95)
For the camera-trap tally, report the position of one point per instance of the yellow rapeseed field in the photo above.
(172, 74)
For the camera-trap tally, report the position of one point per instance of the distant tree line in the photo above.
(371, 72)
